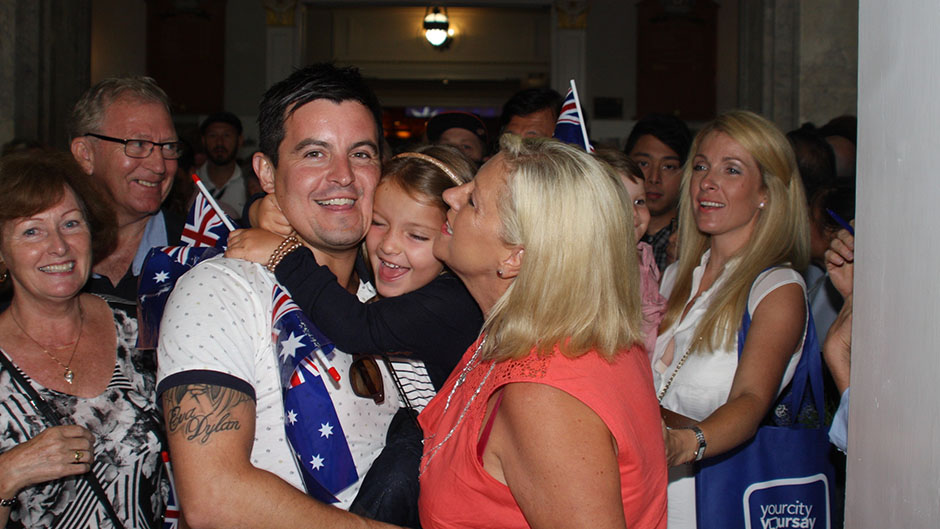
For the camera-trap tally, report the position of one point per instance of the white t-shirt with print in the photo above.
(217, 329)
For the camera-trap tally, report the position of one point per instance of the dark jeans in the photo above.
(389, 491)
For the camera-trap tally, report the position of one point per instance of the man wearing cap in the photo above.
(463, 130)
(222, 138)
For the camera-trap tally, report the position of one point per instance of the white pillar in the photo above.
(893, 460)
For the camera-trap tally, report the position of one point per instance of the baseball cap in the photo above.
(452, 120)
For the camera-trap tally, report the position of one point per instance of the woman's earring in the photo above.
(761, 206)
(499, 272)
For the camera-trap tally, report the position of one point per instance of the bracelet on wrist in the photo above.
(287, 246)
(277, 251)
(12, 502)
(700, 449)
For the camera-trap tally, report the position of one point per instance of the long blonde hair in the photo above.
(578, 285)
(780, 236)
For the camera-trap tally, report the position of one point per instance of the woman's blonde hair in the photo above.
(578, 285)
(780, 236)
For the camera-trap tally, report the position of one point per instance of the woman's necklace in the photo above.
(69, 375)
(662, 392)
(471, 365)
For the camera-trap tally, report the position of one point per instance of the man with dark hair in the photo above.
(815, 160)
(123, 137)
(817, 165)
(841, 133)
(219, 378)
(463, 130)
(659, 144)
(222, 137)
(531, 113)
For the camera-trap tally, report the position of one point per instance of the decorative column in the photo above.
(569, 47)
(769, 62)
(283, 35)
(45, 65)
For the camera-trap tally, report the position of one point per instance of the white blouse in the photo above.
(704, 382)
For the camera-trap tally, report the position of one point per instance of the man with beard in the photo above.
(222, 138)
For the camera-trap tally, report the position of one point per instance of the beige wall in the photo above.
(826, 34)
(828, 67)
(388, 43)
(118, 38)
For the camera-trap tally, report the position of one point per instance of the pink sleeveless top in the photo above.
(456, 491)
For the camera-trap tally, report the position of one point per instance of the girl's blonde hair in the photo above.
(780, 236)
(578, 286)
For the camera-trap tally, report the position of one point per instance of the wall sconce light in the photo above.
(437, 27)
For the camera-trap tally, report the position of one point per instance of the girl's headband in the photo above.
(437, 163)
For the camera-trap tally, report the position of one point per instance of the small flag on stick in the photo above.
(207, 224)
(570, 125)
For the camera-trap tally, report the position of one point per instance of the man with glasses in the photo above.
(123, 137)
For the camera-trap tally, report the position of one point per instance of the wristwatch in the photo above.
(700, 452)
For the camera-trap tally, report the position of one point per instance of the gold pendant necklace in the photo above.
(68, 375)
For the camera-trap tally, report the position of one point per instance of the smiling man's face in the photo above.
(328, 167)
(138, 185)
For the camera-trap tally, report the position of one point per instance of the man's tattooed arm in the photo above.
(198, 411)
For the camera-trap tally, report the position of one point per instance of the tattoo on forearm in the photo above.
(206, 410)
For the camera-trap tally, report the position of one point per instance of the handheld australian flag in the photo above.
(310, 420)
(171, 517)
(570, 125)
(205, 226)
(204, 235)
(163, 266)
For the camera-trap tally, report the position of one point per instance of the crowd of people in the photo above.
(523, 334)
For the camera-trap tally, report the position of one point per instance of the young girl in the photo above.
(424, 310)
(654, 304)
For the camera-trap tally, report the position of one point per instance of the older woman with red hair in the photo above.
(79, 434)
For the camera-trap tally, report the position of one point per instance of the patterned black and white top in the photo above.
(128, 441)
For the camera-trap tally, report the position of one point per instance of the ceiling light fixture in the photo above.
(437, 27)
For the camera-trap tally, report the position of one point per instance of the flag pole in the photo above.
(213, 203)
(577, 104)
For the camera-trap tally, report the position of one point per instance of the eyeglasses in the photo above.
(366, 379)
(171, 150)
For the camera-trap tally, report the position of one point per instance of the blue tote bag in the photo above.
(783, 476)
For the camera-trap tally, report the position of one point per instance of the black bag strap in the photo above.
(401, 389)
(53, 418)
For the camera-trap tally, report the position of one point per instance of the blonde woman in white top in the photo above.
(742, 236)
